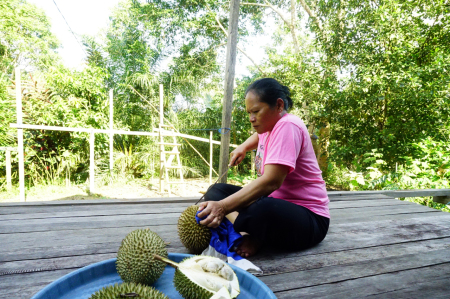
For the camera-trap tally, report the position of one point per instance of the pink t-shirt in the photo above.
(289, 144)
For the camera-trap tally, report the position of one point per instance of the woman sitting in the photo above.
(287, 205)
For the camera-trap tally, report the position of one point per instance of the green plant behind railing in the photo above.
(429, 168)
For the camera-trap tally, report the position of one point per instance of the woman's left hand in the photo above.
(213, 211)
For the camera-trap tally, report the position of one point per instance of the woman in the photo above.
(287, 205)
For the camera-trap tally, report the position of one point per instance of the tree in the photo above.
(25, 37)
(395, 59)
(25, 41)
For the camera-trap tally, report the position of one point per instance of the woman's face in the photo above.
(262, 116)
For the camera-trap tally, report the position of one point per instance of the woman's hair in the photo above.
(269, 90)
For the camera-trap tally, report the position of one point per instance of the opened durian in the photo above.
(128, 289)
(203, 277)
(135, 258)
(195, 237)
(222, 294)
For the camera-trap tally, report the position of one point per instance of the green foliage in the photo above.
(376, 72)
(429, 168)
(394, 56)
(25, 37)
(7, 111)
(70, 99)
(25, 40)
(240, 179)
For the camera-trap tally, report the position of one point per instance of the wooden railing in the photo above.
(439, 195)
(21, 126)
(8, 151)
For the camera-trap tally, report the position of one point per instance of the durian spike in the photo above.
(166, 260)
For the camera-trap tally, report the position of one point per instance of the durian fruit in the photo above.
(128, 290)
(195, 237)
(135, 258)
(203, 277)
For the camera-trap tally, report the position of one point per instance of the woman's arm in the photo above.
(239, 153)
(271, 180)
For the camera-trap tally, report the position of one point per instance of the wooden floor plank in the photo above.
(364, 203)
(360, 220)
(379, 285)
(86, 205)
(374, 232)
(358, 197)
(341, 237)
(283, 264)
(69, 205)
(8, 220)
(277, 264)
(373, 239)
(89, 210)
(348, 272)
(52, 264)
(77, 223)
(99, 211)
(437, 288)
(158, 216)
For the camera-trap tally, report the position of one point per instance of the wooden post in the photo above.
(91, 163)
(20, 136)
(8, 151)
(252, 157)
(324, 140)
(111, 134)
(210, 156)
(161, 104)
(229, 84)
(8, 170)
(161, 146)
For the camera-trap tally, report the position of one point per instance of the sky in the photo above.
(90, 17)
(83, 16)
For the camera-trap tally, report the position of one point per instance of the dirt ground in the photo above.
(120, 190)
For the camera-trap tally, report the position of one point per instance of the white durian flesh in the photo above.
(211, 274)
(222, 294)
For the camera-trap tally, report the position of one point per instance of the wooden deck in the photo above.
(377, 246)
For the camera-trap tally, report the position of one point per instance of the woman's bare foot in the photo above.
(248, 247)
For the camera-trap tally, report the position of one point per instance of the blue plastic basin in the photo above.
(82, 283)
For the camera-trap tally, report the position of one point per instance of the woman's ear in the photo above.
(280, 104)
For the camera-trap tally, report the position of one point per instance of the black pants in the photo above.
(274, 221)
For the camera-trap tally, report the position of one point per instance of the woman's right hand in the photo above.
(237, 156)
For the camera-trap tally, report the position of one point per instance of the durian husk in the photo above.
(195, 237)
(135, 258)
(132, 289)
(193, 280)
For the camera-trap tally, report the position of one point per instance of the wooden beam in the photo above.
(418, 193)
(91, 163)
(229, 85)
(8, 170)
(210, 156)
(442, 199)
(20, 136)
(169, 133)
(111, 133)
(8, 148)
(87, 130)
